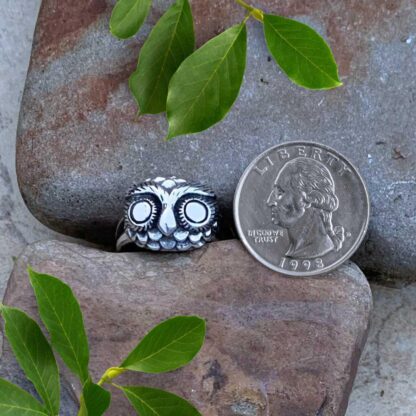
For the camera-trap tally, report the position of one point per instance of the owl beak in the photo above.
(167, 221)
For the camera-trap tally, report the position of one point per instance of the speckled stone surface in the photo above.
(275, 345)
(17, 225)
(79, 146)
(385, 382)
(384, 385)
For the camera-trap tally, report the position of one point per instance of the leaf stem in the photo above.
(109, 374)
(245, 5)
(256, 13)
(81, 411)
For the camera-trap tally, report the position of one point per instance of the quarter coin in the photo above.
(301, 208)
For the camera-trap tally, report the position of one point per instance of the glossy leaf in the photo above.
(94, 400)
(168, 346)
(169, 43)
(62, 316)
(207, 83)
(128, 16)
(153, 402)
(34, 355)
(301, 52)
(15, 401)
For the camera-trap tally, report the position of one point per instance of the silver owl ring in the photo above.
(168, 214)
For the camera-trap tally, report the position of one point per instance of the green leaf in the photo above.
(301, 52)
(154, 402)
(207, 83)
(128, 16)
(34, 355)
(168, 346)
(169, 43)
(62, 316)
(94, 400)
(15, 401)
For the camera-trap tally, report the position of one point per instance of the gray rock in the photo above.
(274, 346)
(79, 146)
(17, 226)
(385, 383)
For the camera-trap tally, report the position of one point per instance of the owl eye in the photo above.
(195, 213)
(142, 212)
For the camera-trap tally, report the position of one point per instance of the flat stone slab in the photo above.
(275, 345)
(80, 147)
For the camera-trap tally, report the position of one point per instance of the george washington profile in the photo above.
(302, 201)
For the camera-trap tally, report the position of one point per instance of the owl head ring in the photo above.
(169, 214)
